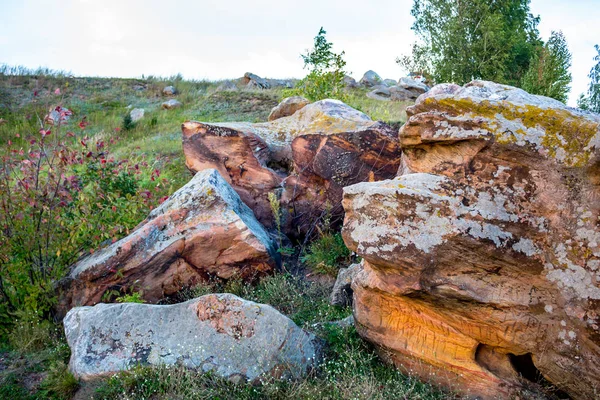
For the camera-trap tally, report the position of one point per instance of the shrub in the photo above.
(128, 123)
(326, 76)
(326, 254)
(62, 194)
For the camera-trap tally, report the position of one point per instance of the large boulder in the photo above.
(482, 260)
(380, 92)
(413, 85)
(304, 159)
(287, 107)
(370, 79)
(233, 338)
(202, 230)
(350, 82)
(254, 81)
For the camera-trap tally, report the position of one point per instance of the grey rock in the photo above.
(380, 92)
(136, 114)
(350, 81)
(251, 80)
(234, 338)
(341, 295)
(413, 85)
(169, 91)
(400, 94)
(389, 82)
(370, 79)
(170, 104)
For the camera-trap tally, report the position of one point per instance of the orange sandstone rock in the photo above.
(482, 259)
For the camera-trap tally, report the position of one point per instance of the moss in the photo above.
(562, 129)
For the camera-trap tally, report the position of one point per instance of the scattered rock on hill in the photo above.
(398, 93)
(136, 114)
(380, 92)
(231, 337)
(287, 107)
(304, 159)
(481, 261)
(341, 295)
(171, 104)
(254, 81)
(370, 79)
(169, 91)
(350, 81)
(202, 230)
(412, 85)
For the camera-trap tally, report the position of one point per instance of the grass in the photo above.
(326, 254)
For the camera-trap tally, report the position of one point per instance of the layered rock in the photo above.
(304, 159)
(482, 260)
(233, 338)
(202, 230)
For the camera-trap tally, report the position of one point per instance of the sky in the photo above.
(223, 39)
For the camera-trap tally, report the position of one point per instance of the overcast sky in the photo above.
(225, 38)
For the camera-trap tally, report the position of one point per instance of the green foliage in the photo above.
(548, 72)
(591, 100)
(30, 333)
(327, 254)
(128, 123)
(325, 79)
(473, 39)
(60, 382)
(135, 297)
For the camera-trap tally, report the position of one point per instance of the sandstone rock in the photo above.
(136, 114)
(227, 86)
(233, 338)
(169, 91)
(287, 107)
(380, 92)
(306, 159)
(341, 295)
(370, 79)
(202, 230)
(170, 104)
(254, 81)
(350, 81)
(481, 261)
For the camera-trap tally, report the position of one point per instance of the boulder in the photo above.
(287, 107)
(380, 92)
(350, 81)
(400, 94)
(251, 80)
(341, 295)
(202, 230)
(304, 159)
(170, 104)
(370, 79)
(413, 85)
(482, 259)
(169, 91)
(136, 114)
(389, 82)
(231, 337)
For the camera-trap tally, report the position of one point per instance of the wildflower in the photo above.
(57, 91)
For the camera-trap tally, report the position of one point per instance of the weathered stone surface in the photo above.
(136, 114)
(380, 92)
(370, 79)
(202, 230)
(171, 104)
(389, 82)
(341, 295)
(482, 260)
(400, 94)
(169, 90)
(305, 159)
(234, 338)
(287, 107)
